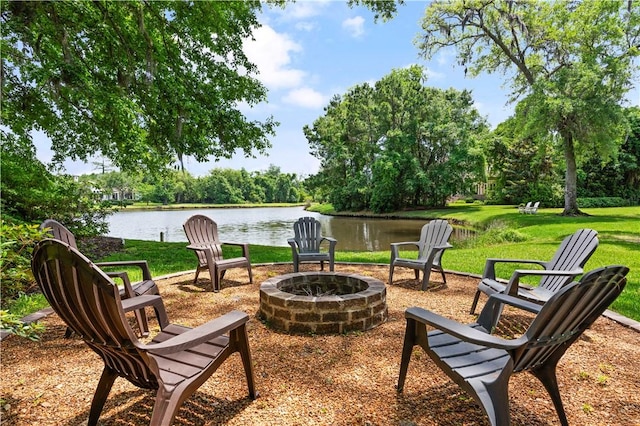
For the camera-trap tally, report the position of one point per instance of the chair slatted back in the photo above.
(308, 234)
(201, 229)
(59, 232)
(434, 233)
(568, 313)
(89, 303)
(573, 253)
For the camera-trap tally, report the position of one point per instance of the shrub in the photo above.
(11, 323)
(498, 232)
(16, 244)
(591, 202)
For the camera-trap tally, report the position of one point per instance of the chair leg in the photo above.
(195, 280)
(213, 274)
(444, 279)
(547, 375)
(391, 268)
(143, 323)
(494, 399)
(407, 348)
(475, 302)
(250, 273)
(216, 280)
(102, 391)
(165, 407)
(425, 278)
(417, 273)
(240, 335)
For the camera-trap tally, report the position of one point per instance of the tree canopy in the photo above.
(570, 62)
(142, 83)
(397, 144)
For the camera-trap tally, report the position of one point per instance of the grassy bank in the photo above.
(503, 233)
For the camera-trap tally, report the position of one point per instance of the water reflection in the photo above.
(269, 226)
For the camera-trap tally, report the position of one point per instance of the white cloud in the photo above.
(446, 56)
(306, 97)
(434, 75)
(305, 26)
(303, 9)
(271, 53)
(355, 26)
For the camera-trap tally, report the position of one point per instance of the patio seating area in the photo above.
(346, 379)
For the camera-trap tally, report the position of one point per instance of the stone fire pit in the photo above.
(323, 302)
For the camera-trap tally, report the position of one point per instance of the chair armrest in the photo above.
(490, 270)
(443, 247)
(490, 314)
(332, 243)
(461, 331)
(231, 243)
(406, 243)
(513, 285)
(140, 302)
(210, 330)
(395, 248)
(517, 302)
(128, 288)
(199, 246)
(142, 264)
(244, 246)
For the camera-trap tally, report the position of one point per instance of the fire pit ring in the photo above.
(323, 302)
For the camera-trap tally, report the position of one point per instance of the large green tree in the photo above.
(31, 194)
(620, 176)
(570, 62)
(397, 144)
(141, 82)
(523, 168)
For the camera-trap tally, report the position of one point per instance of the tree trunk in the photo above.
(571, 176)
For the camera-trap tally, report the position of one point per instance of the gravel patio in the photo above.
(345, 379)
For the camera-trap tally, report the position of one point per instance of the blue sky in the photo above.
(313, 50)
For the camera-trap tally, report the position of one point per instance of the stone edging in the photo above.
(36, 316)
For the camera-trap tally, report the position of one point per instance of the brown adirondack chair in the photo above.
(307, 244)
(202, 233)
(145, 286)
(433, 242)
(481, 363)
(566, 264)
(176, 362)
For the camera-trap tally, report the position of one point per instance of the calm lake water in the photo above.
(270, 226)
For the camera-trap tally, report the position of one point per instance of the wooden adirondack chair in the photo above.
(146, 286)
(202, 233)
(306, 245)
(481, 364)
(433, 242)
(177, 361)
(566, 264)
